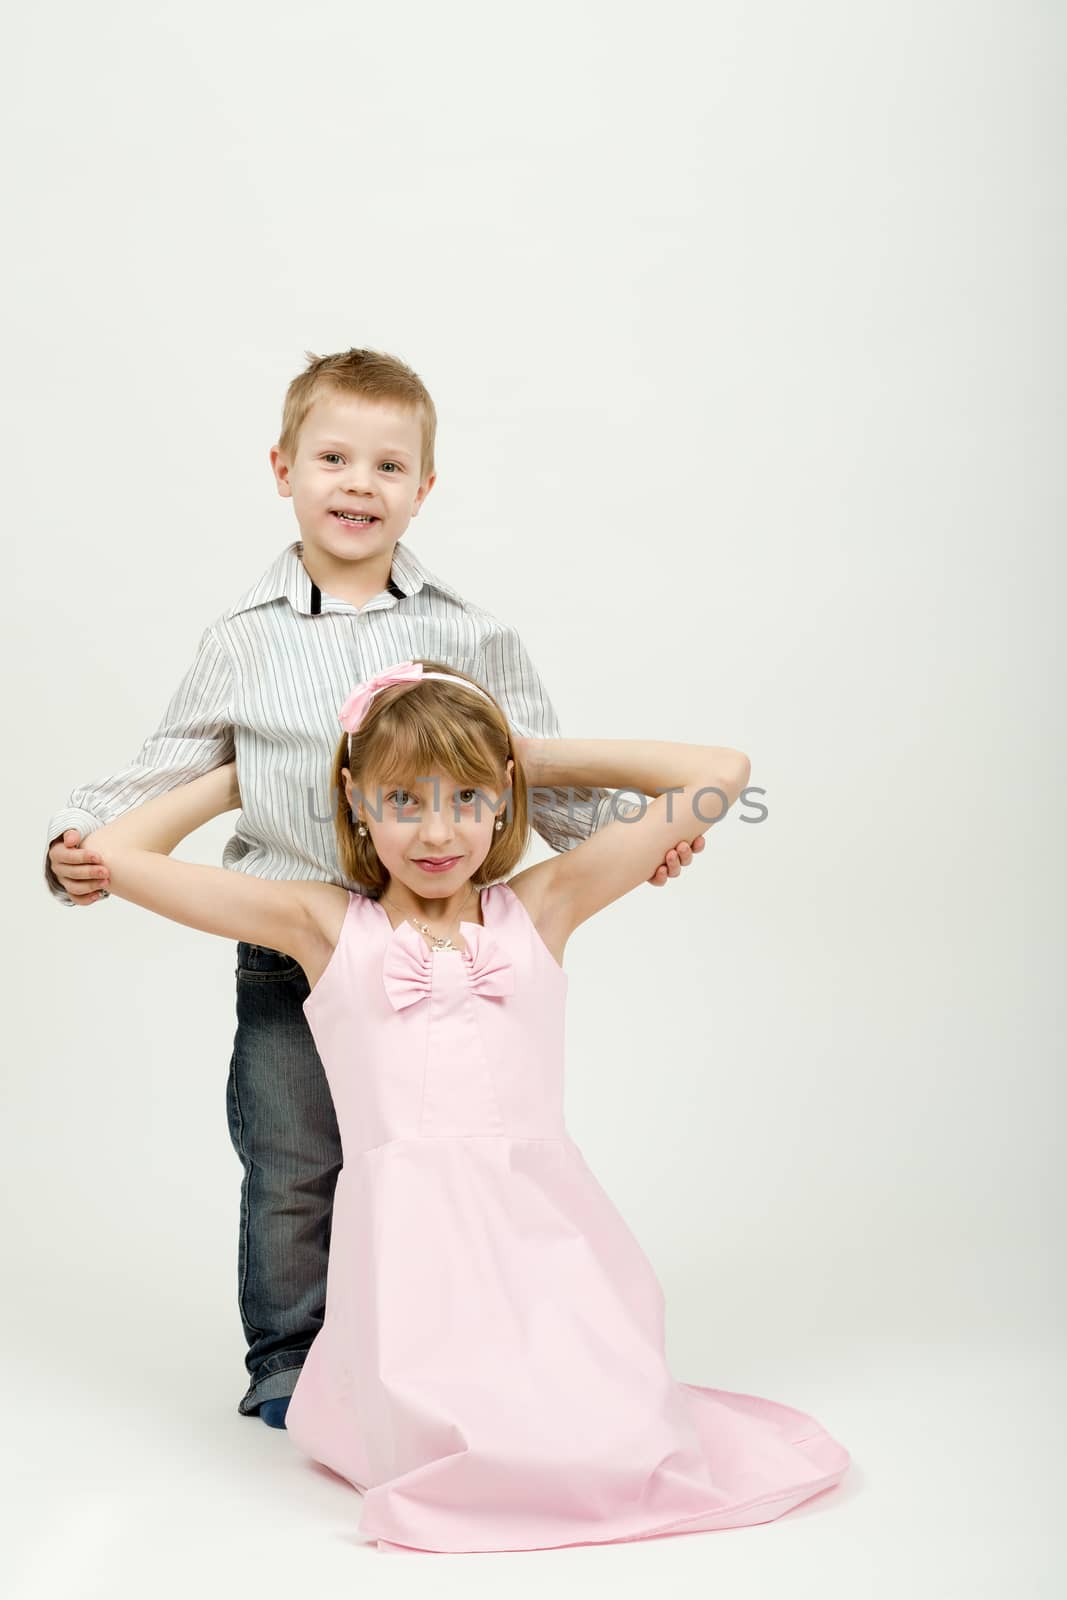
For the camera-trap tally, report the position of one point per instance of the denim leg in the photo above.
(283, 1128)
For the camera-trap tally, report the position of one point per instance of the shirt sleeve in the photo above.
(194, 736)
(563, 817)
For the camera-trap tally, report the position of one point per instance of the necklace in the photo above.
(438, 941)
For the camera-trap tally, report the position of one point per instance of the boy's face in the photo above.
(355, 455)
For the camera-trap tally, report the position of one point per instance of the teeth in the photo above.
(346, 516)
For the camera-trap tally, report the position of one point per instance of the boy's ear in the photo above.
(280, 468)
(424, 489)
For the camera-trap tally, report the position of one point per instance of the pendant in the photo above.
(436, 942)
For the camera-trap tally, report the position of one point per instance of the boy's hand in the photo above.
(81, 872)
(676, 859)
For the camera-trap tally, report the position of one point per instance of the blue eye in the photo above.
(336, 456)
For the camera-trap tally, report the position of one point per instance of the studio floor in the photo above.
(125, 1481)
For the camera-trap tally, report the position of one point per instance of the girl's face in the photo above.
(435, 820)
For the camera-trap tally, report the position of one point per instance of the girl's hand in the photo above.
(523, 750)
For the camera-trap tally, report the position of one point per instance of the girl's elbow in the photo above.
(729, 773)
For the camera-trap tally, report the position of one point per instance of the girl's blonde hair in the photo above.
(372, 373)
(410, 732)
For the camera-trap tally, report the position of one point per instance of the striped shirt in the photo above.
(265, 687)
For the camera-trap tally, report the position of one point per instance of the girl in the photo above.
(491, 1371)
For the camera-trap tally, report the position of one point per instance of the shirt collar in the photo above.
(288, 579)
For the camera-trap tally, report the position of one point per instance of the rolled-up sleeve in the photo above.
(194, 736)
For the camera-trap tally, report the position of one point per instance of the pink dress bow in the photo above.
(355, 707)
(409, 960)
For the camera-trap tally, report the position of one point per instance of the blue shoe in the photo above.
(273, 1412)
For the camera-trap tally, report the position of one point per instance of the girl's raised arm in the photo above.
(136, 848)
(695, 785)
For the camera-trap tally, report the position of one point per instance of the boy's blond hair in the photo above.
(412, 731)
(372, 373)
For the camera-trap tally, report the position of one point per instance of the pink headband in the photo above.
(356, 706)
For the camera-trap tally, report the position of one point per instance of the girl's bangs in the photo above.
(412, 754)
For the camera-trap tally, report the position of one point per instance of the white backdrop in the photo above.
(745, 329)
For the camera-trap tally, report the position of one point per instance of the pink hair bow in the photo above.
(355, 707)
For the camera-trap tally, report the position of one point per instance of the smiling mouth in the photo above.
(358, 519)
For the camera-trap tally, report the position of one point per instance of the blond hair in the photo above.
(411, 731)
(372, 373)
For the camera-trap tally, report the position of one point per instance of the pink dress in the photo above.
(490, 1372)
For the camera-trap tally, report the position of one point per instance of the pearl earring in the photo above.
(361, 830)
(498, 825)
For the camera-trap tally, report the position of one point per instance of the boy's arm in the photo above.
(511, 677)
(194, 736)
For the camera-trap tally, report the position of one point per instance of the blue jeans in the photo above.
(283, 1128)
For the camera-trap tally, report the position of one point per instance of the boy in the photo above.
(356, 456)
